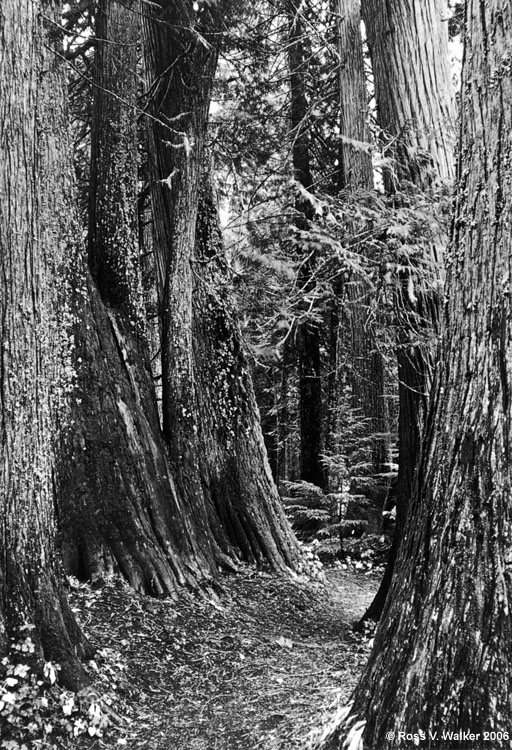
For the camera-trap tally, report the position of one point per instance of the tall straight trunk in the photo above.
(311, 412)
(356, 169)
(415, 106)
(368, 379)
(408, 43)
(442, 659)
(210, 420)
(334, 389)
(37, 237)
(125, 512)
(264, 382)
(284, 464)
(356, 173)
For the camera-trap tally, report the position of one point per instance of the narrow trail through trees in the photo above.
(256, 668)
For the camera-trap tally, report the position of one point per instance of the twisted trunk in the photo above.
(125, 512)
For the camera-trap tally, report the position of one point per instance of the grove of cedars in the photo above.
(243, 310)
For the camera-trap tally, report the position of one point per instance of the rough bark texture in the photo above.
(442, 654)
(409, 50)
(210, 420)
(311, 410)
(113, 222)
(412, 78)
(246, 515)
(356, 170)
(180, 65)
(125, 513)
(35, 239)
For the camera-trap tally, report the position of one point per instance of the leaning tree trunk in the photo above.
(409, 51)
(356, 173)
(210, 421)
(244, 509)
(311, 411)
(442, 659)
(37, 237)
(118, 503)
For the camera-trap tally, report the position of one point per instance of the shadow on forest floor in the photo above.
(256, 669)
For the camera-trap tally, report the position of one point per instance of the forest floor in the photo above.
(256, 668)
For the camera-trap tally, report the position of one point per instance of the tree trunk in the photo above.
(311, 411)
(415, 106)
(264, 383)
(413, 88)
(113, 222)
(310, 403)
(356, 173)
(210, 420)
(442, 655)
(125, 512)
(367, 377)
(37, 237)
(285, 470)
(246, 516)
(356, 169)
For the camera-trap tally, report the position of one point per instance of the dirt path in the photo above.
(255, 670)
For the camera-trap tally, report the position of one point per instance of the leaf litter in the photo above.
(257, 667)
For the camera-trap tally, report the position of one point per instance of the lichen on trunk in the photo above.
(246, 516)
(36, 237)
(118, 504)
(210, 420)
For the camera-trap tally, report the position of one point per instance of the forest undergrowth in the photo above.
(255, 666)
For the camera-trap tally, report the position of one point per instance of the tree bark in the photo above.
(415, 107)
(285, 466)
(125, 512)
(245, 512)
(37, 237)
(413, 89)
(113, 222)
(442, 655)
(210, 420)
(356, 169)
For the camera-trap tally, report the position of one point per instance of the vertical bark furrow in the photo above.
(408, 45)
